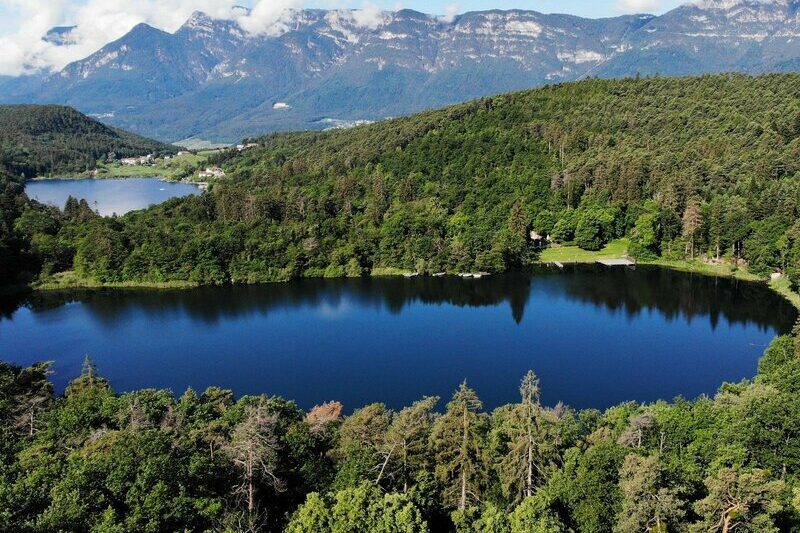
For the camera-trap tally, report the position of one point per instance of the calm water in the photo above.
(596, 337)
(109, 196)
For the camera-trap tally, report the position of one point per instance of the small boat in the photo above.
(411, 275)
(439, 274)
(466, 275)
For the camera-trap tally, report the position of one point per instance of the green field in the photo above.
(70, 280)
(617, 249)
(179, 167)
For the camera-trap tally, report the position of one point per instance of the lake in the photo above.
(595, 336)
(109, 196)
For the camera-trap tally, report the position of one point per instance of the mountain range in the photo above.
(212, 80)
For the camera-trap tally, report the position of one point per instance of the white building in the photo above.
(212, 172)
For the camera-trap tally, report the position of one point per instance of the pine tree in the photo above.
(649, 503)
(740, 501)
(457, 440)
(405, 450)
(253, 450)
(532, 448)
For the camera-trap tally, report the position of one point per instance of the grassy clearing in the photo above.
(784, 288)
(388, 271)
(726, 270)
(617, 249)
(70, 280)
(179, 167)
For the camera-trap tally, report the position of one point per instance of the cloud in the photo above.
(450, 13)
(102, 21)
(638, 6)
(269, 17)
(370, 16)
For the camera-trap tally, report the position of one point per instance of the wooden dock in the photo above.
(616, 262)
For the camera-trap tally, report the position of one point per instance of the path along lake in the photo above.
(596, 336)
(109, 196)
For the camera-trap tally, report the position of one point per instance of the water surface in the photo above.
(595, 336)
(109, 196)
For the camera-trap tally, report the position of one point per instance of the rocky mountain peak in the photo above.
(335, 66)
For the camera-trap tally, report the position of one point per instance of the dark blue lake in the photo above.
(595, 336)
(109, 196)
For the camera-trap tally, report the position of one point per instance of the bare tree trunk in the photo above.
(462, 504)
(251, 504)
(385, 462)
(405, 467)
(529, 488)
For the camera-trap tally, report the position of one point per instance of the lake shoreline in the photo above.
(253, 338)
(780, 286)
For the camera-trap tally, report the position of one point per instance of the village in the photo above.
(185, 165)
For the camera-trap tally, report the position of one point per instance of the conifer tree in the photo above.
(457, 440)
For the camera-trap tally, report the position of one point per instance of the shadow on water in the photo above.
(595, 336)
(631, 291)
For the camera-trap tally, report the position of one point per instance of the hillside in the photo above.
(213, 80)
(41, 140)
(37, 140)
(682, 166)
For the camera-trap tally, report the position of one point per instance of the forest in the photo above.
(685, 167)
(93, 460)
(44, 140)
(39, 140)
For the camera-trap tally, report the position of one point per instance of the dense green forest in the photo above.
(36, 140)
(92, 460)
(683, 166)
(39, 140)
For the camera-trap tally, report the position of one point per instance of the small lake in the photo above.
(595, 336)
(109, 196)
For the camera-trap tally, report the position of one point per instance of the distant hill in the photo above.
(37, 140)
(212, 80)
(50, 139)
(679, 167)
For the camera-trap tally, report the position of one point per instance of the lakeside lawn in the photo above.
(183, 166)
(179, 167)
(70, 280)
(617, 249)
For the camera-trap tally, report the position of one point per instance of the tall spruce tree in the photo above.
(457, 439)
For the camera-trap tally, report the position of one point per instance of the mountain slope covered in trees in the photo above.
(40, 140)
(36, 140)
(682, 166)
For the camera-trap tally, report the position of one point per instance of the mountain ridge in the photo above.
(212, 79)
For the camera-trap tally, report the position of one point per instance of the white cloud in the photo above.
(370, 16)
(639, 6)
(450, 13)
(269, 17)
(102, 21)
